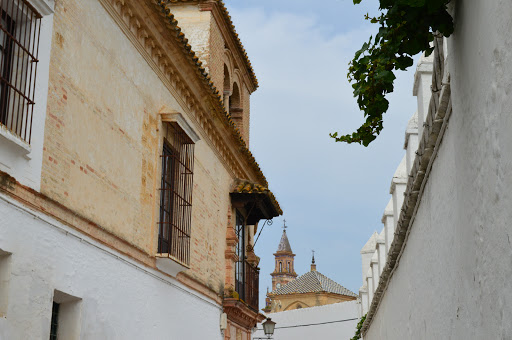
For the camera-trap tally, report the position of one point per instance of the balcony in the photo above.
(247, 282)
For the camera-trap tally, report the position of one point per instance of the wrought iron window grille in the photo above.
(246, 275)
(176, 195)
(20, 26)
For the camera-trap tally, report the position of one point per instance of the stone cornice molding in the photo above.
(439, 113)
(178, 118)
(158, 57)
(239, 313)
(43, 7)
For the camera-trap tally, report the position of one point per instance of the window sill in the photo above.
(169, 265)
(19, 145)
(42, 6)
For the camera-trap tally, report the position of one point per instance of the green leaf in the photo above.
(405, 28)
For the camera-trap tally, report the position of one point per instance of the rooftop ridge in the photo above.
(313, 282)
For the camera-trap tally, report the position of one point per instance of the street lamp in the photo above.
(268, 327)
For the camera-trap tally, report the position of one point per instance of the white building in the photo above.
(334, 321)
(447, 270)
(110, 123)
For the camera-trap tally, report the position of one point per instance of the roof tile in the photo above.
(313, 282)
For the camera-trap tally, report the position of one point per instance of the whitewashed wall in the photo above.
(454, 278)
(119, 298)
(320, 314)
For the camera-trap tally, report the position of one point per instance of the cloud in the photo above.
(333, 194)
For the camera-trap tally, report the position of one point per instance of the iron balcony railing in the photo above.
(248, 283)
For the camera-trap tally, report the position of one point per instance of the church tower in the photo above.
(285, 269)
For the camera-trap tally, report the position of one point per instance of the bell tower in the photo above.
(284, 271)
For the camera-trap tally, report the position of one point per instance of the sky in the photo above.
(333, 194)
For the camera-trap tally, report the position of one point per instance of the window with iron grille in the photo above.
(246, 274)
(240, 252)
(20, 27)
(55, 321)
(176, 194)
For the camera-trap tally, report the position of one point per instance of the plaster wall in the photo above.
(367, 252)
(116, 297)
(103, 142)
(453, 279)
(397, 189)
(422, 82)
(333, 312)
(291, 301)
(381, 251)
(196, 25)
(363, 297)
(398, 199)
(389, 227)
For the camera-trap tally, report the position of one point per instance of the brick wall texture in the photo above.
(103, 137)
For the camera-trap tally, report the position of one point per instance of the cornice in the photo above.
(241, 314)
(136, 29)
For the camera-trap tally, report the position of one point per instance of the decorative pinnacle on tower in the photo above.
(313, 265)
(284, 271)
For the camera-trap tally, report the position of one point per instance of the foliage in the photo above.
(358, 328)
(406, 28)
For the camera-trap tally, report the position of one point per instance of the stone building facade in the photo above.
(440, 269)
(131, 205)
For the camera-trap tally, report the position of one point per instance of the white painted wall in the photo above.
(454, 277)
(397, 189)
(389, 225)
(17, 158)
(421, 88)
(120, 299)
(381, 251)
(367, 252)
(411, 141)
(334, 312)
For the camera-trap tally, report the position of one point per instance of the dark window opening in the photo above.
(240, 252)
(55, 321)
(176, 195)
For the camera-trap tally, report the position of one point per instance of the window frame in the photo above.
(19, 58)
(176, 187)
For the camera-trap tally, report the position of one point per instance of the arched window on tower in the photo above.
(235, 107)
(280, 267)
(227, 87)
(288, 267)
